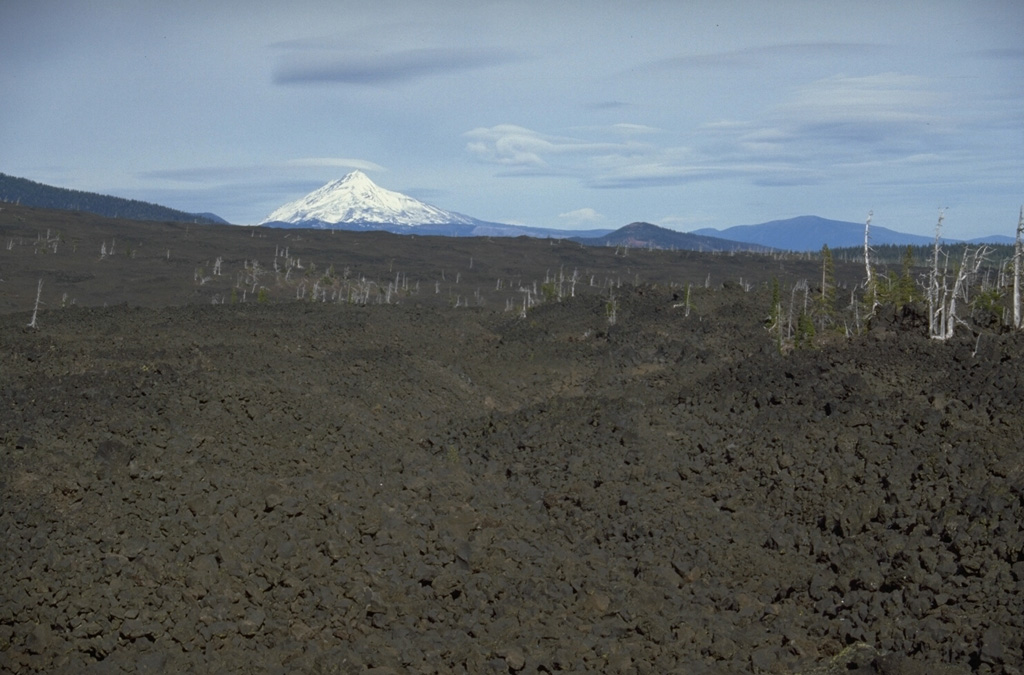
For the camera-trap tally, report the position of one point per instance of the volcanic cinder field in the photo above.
(255, 450)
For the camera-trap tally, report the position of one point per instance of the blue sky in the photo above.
(547, 113)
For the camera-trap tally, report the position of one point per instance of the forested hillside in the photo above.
(29, 193)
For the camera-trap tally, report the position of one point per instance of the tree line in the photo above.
(29, 193)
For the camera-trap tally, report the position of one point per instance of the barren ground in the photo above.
(441, 485)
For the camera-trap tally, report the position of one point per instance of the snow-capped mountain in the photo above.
(355, 200)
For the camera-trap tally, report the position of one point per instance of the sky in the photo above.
(550, 113)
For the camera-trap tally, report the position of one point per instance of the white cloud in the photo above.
(508, 144)
(885, 93)
(513, 145)
(580, 216)
(634, 129)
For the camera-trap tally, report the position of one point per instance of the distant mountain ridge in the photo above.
(646, 235)
(29, 193)
(354, 202)
(810, 233)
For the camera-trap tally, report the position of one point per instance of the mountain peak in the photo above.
(356, 175)
(353, 179)
(355, 199)
(648, 235)
(809, 233)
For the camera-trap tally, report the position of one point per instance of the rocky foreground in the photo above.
(338, 489)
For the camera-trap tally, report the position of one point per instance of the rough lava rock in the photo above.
(332, 488)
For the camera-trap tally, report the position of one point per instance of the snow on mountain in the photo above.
(355, 199)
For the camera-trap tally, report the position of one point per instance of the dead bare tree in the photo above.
(945, 319)
(933, 282)
(1017, 253)
(870, 283)
(35, 310)
(867, 251)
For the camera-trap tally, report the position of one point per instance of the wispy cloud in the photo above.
(662, 172)
(335, 162)
(607, 161)
(832, 128)
(635, 128)
(752, 57)
(581, 216)
(822, 132)
(511, 145)
(614, 159)
(609, 105)
(875, 101)
(840, 120)
(364, 67)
